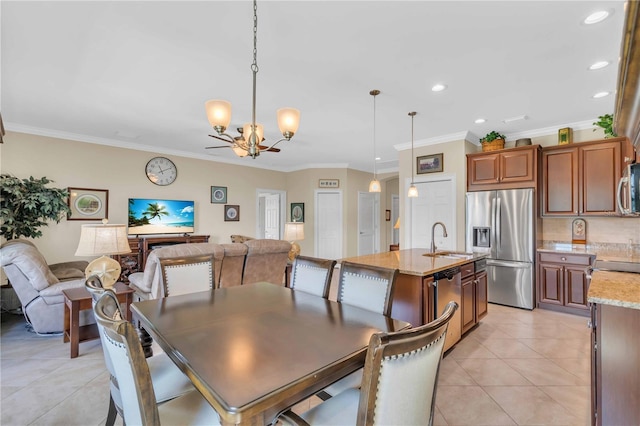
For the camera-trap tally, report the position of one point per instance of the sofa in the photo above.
(39, 285)
(234, 263)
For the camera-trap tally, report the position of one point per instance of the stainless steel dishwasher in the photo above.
(446, 287)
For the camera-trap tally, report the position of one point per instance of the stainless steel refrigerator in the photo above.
(502, 224)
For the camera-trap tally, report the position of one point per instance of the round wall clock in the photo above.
(161, 171)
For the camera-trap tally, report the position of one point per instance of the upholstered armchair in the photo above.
(39, 285)
(266, 261)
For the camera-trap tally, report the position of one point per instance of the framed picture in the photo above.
(219, 194)
(565, 136)
(297, 212)
(387, 215)
(231, 213)
(88, 204)
(328, 183)
(429, 163)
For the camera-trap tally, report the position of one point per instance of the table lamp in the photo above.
(294, 231)
(103, 240)
(397, 225)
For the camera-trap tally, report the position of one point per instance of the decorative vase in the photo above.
(494, 145)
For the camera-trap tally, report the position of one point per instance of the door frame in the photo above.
(283, 207)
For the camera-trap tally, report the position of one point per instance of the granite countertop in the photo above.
(412, 261)
(615, 288)
(603, 251)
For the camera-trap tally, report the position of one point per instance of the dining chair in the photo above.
(168, 381)
(399, 383)
(137, 391)
(312, 275)
(367, 287)
(190, 274)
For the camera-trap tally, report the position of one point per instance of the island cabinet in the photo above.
(615, 369)
(504, 169)
(582, 179)
(563, 281)
(474, 303)
(413, 299)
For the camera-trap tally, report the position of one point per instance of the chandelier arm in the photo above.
(276, 143)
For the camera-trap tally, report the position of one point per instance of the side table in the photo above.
(79, 299)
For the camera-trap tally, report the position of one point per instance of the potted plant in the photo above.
(28, 204)
(492, 141)
(606, 123)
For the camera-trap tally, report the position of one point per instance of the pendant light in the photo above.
(374, 185)
(413, 191)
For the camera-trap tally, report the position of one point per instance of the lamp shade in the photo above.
(413, 191)
(288, 121)
(397, 225)
(218, 113)
(293, 231)
(96, 240)
(246, 132)
(374, 186)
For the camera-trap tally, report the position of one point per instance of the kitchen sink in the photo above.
(450, 254)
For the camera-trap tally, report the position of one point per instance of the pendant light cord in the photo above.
(253, 146)
(412, 114)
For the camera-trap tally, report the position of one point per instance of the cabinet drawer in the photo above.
(574, 259)
(467, 269)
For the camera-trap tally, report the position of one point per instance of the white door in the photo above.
(272, 216)
(368, 219)
(395, 214)
(436, 202)
(328, 224)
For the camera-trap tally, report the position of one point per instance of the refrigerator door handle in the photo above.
(491, 262)
(499, 222)
(492, 237)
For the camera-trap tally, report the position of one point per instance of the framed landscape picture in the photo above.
(88, 204)
(429, 163)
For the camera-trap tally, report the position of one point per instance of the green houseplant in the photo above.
(26, 205)
(492, 141)
(606, 123)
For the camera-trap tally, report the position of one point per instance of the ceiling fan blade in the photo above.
(221, 139)
(214, 147)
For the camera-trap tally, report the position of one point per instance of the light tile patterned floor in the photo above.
(517, 367)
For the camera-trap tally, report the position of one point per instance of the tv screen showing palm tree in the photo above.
(147, 216)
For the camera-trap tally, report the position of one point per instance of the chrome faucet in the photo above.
(444, 234)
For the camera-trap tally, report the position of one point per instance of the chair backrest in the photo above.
(266, 261)
(368, 287)
(312, 275)
(232, 264)
(129, 363)
(182, 275)
(401, 374)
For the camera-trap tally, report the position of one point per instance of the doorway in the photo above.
(368, 223)
(271, 214)
(328, 224)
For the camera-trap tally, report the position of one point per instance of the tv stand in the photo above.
(142, 246)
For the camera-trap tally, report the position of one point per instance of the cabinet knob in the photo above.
(563, 259)
(589, 324)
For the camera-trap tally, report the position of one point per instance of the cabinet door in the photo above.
(600, 170)
(468, 304)
(483, 169)
(517, 166)
(550, 284)
(576, 287)
(482, 302)
(560, 182)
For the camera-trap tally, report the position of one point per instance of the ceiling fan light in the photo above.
(413, 191)
(218, 113)
(246, 132)
(288, 121)
(374, 186)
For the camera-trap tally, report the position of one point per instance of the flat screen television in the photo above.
(152, 216)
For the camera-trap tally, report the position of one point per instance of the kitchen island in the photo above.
(414, 296)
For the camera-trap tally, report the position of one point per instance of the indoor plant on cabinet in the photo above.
(492, 141)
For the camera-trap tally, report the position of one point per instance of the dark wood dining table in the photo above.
(254, 350)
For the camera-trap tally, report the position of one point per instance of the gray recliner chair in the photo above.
(39, 285)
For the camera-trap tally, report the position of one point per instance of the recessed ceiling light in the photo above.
(377, 158)
(480, 121)
(601, 95)
(438, 87)
(599, 65)
(596, 17)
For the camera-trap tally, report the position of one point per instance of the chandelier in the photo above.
(252, 134)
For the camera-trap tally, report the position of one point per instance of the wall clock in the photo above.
(161, 171)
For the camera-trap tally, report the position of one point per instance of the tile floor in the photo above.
(516, 368)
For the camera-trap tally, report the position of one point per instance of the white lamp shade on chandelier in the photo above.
(218, 113)
(246, 130)
(288, 121)
(103, 240)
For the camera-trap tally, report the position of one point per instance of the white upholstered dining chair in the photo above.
(367, 287)
(312, 275)
(168, 381)
(137, 391)
(399, 382)
(182, 275)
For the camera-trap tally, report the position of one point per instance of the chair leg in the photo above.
(111, 415)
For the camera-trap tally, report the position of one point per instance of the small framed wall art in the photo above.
(231, 213)
(387, 215)
(429, 163)
(329, 183)
(88, 204)
(218, 194)
(565, 136)
(297, 212)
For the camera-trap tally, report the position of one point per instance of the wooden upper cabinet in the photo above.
(504, 169)
(581, 179)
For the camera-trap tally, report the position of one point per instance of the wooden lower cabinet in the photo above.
(615, 369)
(474, 302)
(482, 299)
(563, 281)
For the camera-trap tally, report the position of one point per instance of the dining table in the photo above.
(255, 350)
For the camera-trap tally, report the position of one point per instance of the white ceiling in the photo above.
(137, 74)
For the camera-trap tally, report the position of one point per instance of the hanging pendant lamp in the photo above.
(374, 185)
(413, 191)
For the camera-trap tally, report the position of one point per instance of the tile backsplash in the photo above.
(618, 230)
